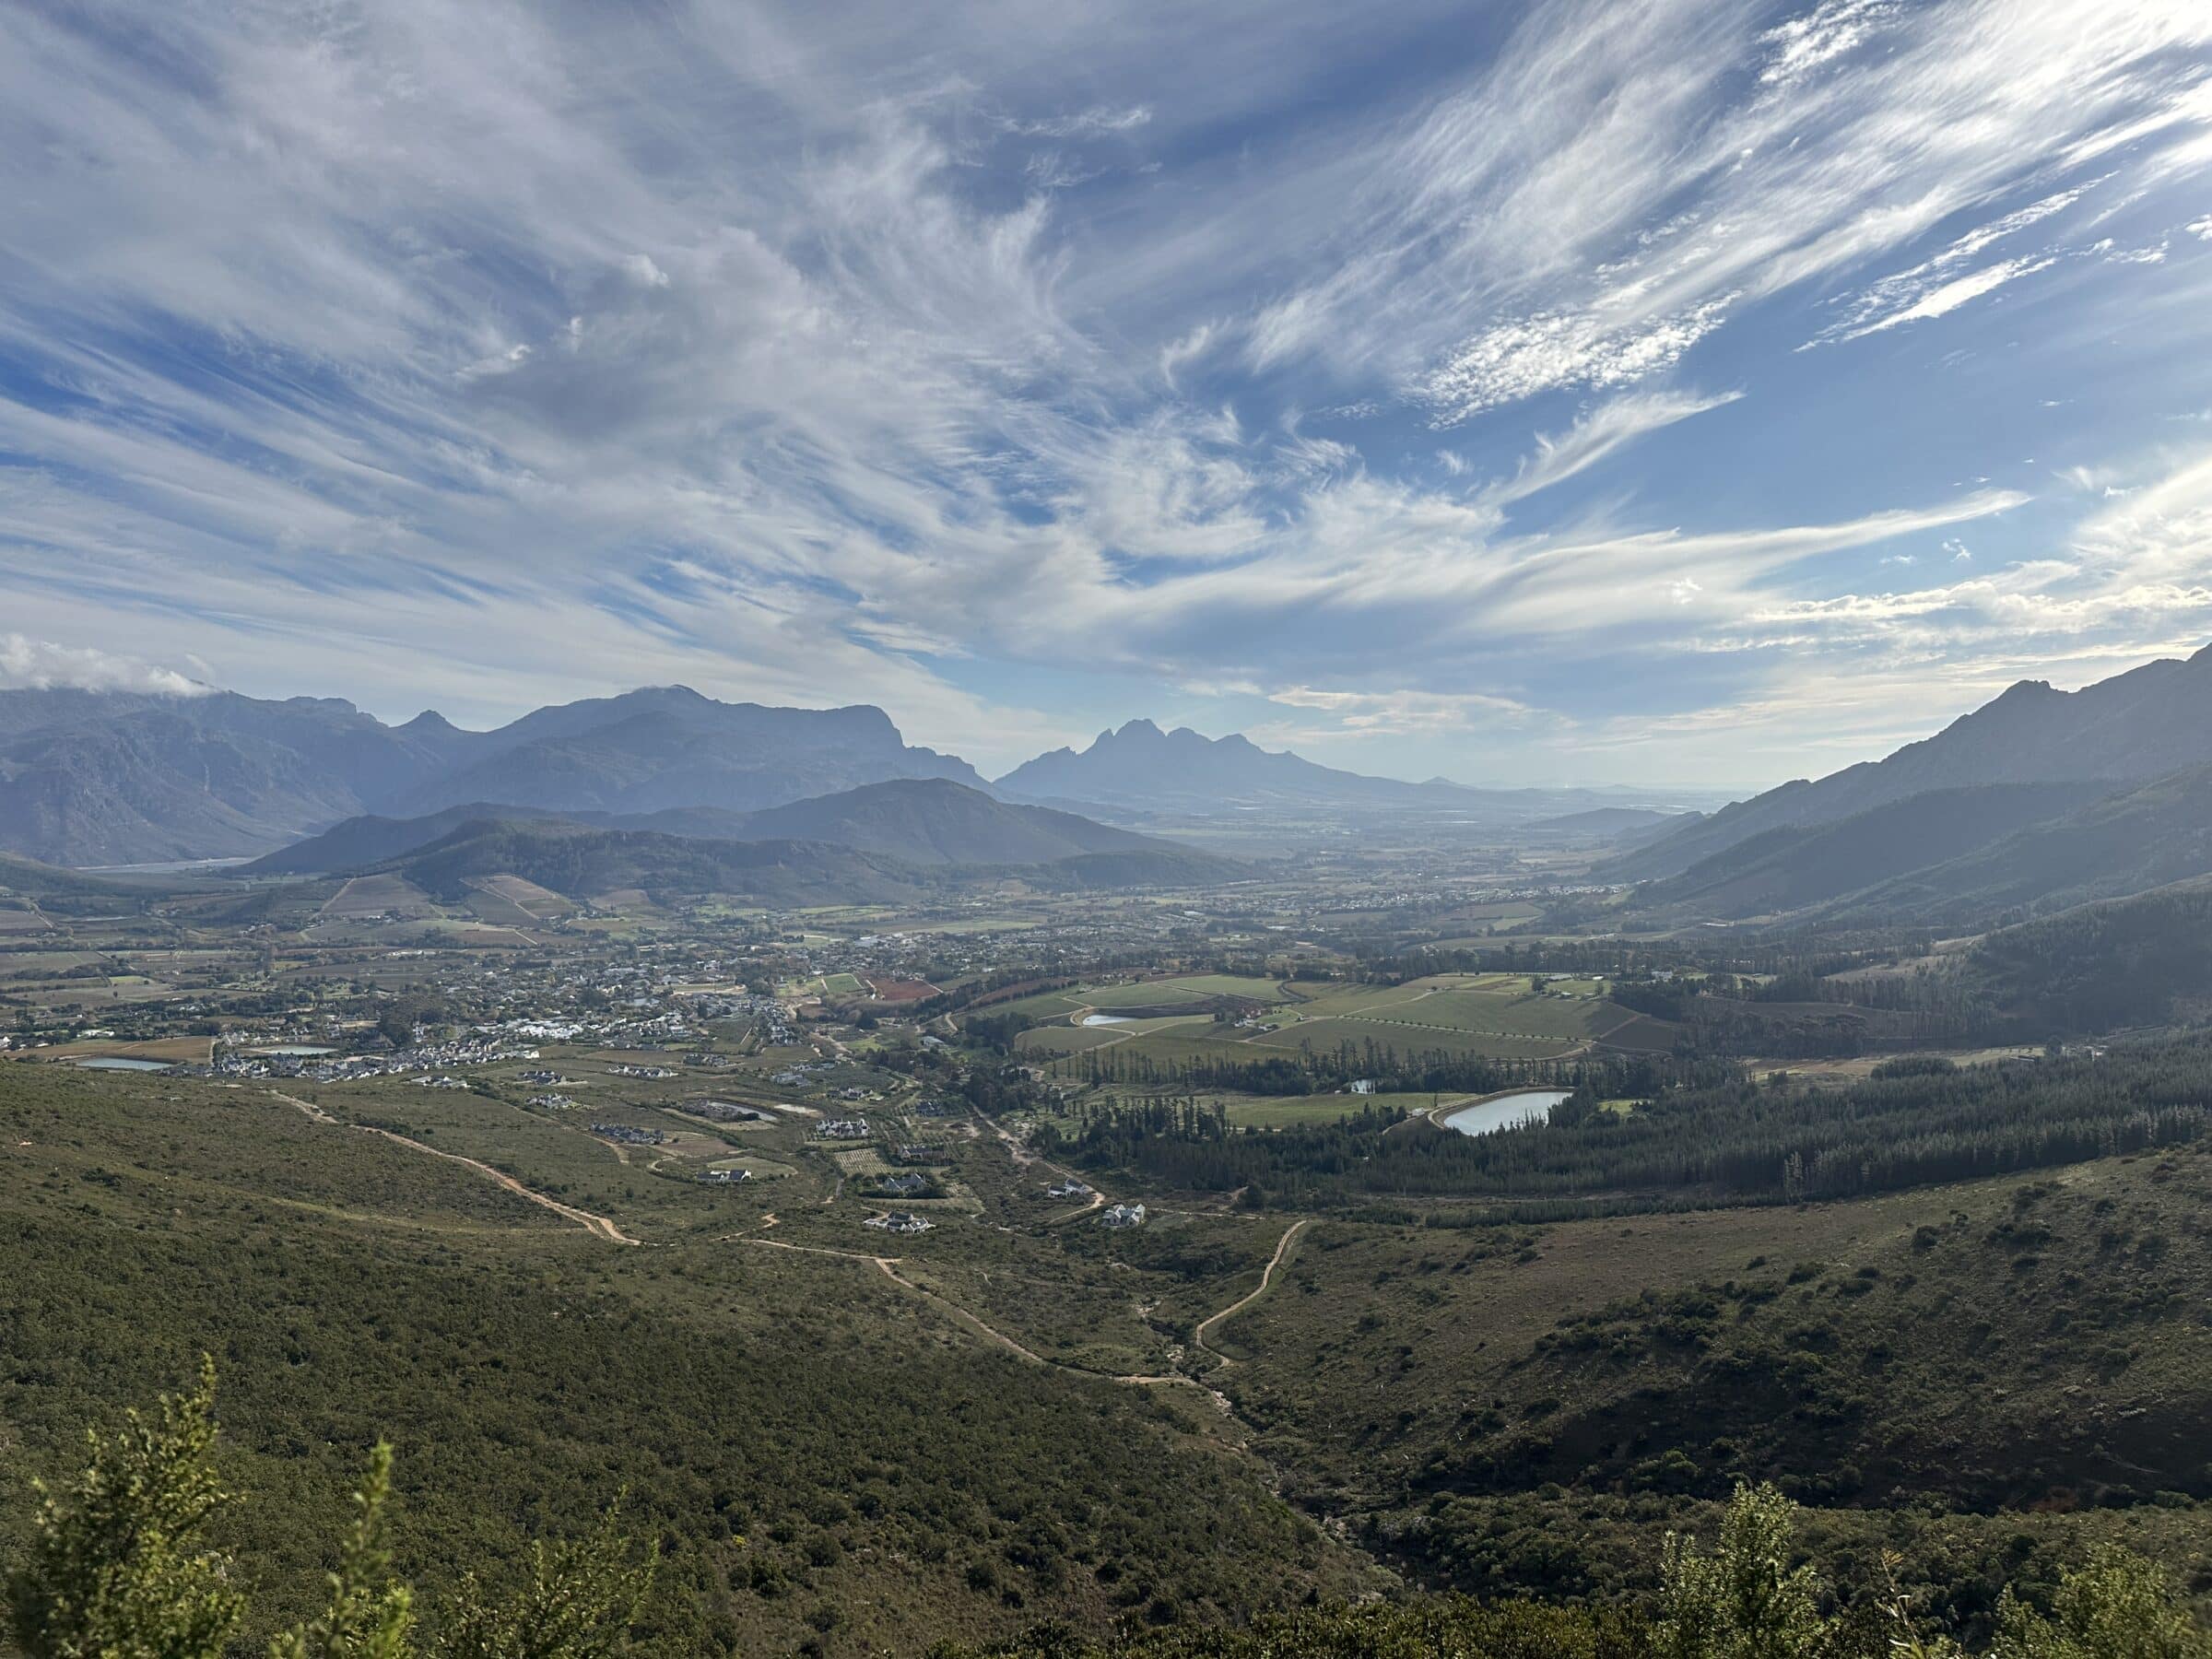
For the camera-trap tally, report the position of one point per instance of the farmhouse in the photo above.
(898, 1221)
(1070, 1188)
(727, 1112)
(1123, 1215)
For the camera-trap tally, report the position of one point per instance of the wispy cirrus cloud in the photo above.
(549, 349)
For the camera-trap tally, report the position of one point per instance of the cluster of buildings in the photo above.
(900, 1222)
(372, 1055)
(844, 1129)
(628, 1135)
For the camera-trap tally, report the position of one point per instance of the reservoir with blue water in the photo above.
(1508, 1112)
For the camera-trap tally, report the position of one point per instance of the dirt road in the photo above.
(599, 1225)
(1282, 1249)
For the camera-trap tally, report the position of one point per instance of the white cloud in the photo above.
(1938, 285)
(552, 351)
(1543, 230)
(1400, 712)
(1527, 354)
(1817, 37)
(1601, 432)
(1100, 122)
(42, 666)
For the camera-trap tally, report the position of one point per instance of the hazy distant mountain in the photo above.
(669, 747)
(919, 821)
(2150, 836)
(1631, 824)
(2141, 724)
(1142, 766)
(97, 778)
(104, 778)
(938, 821)
(1791, 867)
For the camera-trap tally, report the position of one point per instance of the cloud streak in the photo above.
(491, 353)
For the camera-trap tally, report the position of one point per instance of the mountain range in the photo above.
(2133, 727)
(108, 778)
(1138, 769)
(2038, 801)
(102, 779)
(1139, 765)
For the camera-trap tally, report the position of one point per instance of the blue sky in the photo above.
(1678, 392)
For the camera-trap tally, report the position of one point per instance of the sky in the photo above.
(1696, 392)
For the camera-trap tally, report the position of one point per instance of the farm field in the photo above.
(170, 1049)
(377, 896)
(1495, 1015)
(511, 902)
(1142, 994)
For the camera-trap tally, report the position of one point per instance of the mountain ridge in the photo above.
(92, 778)
(1138, 764)
(917, 821)
(2146, 723)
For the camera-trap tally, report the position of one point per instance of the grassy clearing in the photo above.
(1258, 1112)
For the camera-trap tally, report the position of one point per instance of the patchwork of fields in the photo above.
(1496, 1016)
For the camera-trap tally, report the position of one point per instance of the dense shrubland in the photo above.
(121, 1566)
